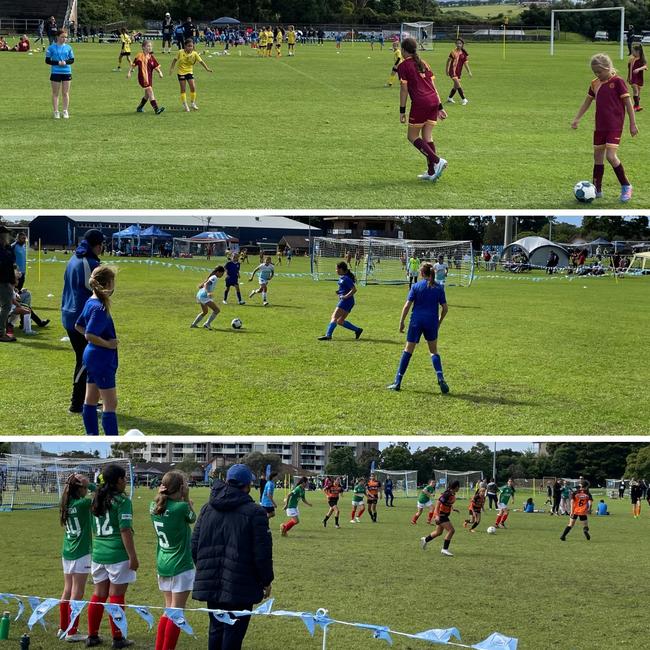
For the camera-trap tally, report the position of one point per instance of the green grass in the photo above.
(522, 357)
(315, 131)
(522, 582)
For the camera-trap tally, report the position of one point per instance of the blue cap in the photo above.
(240, 474)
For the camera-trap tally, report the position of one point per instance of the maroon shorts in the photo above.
(419, 115)
(609, 138)
(637, 79)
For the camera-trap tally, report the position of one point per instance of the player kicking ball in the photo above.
(266, 271)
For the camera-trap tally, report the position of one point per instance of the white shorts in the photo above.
(82, 565)
(292, 512)
(357, 504)
(414, 274)
(502, 506)
(203, 297)
(177, 584)
(422, 506)
(118, 573)
(263, 282)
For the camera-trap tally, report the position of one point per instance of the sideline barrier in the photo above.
(312, 620)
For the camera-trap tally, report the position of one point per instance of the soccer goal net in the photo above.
(421, 31)
(405, 481)
(468, 480)
(33, 483)
(385, 261)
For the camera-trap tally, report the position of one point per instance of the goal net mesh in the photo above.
(468, 480)
(384, 261)
(421, 31)
(405, 481)
(33, 482)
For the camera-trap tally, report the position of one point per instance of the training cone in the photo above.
(134, 433)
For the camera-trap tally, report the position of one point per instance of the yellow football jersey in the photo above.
(126, 42)
(291, 38)
(262, 38)
(279, 38)
(186, 62)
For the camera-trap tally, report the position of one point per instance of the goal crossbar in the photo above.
(565, 11)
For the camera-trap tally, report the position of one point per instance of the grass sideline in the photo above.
(316, 131)
(521, 357)
(522, 582)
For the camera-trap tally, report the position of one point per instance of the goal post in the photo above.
(468, 480)
(404, 480)
(384, 260)
(421, 31)
(622, 24)
(37, 482)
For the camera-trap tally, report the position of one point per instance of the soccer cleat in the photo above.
(444, 388)
(587, 535)
(207, 326)
(325, 523)
(626, 193)
(563, 538)
(186, 108)
(283, 530)
(396, 386)
(638, 108)
(465, 102)
(225, 302)
(440, 167)
(194, 107)
(450, 100)
(446, 552)
(265, 303)
(336, 526)
(57, 115)
(159, 110)
(252, 293)
(75, 638)
(599, 195)
(122, 642)
(357, 520)
(324, 338)
(140, 109)
(425, 177)
(423, 543)
(241, 302)
(65, 115)
(352, 521)
(93, 641)
(358, 333)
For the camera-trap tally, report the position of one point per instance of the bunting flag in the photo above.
(312, 621)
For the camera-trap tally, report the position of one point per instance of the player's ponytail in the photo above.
(639, 48)
(72, 490)
(107, 489)
(343, 266)
(426, 271)
(102, 282)
(410, 46)
(462, 46)
(172, 483)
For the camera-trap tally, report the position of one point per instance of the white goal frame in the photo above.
(419, 27)
(444, 477)
(408, 476)
(566, 11)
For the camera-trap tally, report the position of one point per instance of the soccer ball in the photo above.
(491, 530)
(236, 324)
(584, 191)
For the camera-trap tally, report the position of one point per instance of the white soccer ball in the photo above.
(236, 324)
(584, 191)
(491, 530)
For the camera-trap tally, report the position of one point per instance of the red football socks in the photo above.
(64, 615)
(599, 170)
(289, 525)
(115, 631)
(95, 613)
(620, 174)
(160, 633)
(171, 635)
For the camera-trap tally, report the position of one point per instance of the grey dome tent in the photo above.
(536, 250)
(225, 20)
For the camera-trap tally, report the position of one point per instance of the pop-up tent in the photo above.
(537, 250)
(212, 236)
(225, 21)
(218, 240)
(154, 231)
(640, 263)
(128, 233)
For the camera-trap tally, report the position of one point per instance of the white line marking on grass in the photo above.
(304, 74)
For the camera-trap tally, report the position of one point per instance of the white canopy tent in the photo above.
(537, 250)
(640, 263)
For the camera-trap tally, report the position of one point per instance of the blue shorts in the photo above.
(102, 377)
(346, 304)
(231, 282)
(416, 330)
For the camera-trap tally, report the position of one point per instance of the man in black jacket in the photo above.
(7, 282)
(232, 550)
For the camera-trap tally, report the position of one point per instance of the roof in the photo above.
(530, 244)
(296, 241)
(645, 255)
(224, 222)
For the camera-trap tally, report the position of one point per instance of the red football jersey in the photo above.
(420, 84)
(634, 75)
(23, 46)
(146, 64)
(455, 62)
(610, 103)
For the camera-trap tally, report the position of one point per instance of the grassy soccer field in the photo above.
(316, 131)
(523, 582)
(527, 357)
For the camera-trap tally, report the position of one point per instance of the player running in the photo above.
(417, 83)
(425, 500)
(636, 494)
(424, 296)
(205, 297)
(475, 509)
(581, 503)
(443, 510)
(76, 552)
(267, 502)
(114, 559)
(291, 506)
(506, 493)
(146, 64)
(612, 102)
(186, 60)
(358, 493)
(455, 63)
(398, 58)
(441, 270)
(333, 492)
(636, 66)
(345, 291)
(125, 49)
(373, 486)
(232, 268)
(172, 513)
(266, 271)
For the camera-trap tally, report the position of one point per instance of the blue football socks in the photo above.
(437, 364)
(109, 423)
(349, 326)
(89, 416)
(330, 329)
(403, 365)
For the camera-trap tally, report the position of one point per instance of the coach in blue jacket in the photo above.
(76, 290)
(232, 549)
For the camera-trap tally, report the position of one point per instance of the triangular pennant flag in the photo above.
(438, 636)
(41, 610)
(265, 607)
(4, 598)
(119, 617)
(76, 606)
(378, 632)
(177, 615)
(224, 617)
(322, 619)
(34, 602)
(21, 608)
(497, 641)
(144, 613)
(308, 620)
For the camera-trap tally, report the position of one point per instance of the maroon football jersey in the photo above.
(610, 103)
(420, 84)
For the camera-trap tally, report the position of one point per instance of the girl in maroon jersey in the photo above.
(612, 102)
(416, 82)
(455, 63)
(635, 67)
(146, 64)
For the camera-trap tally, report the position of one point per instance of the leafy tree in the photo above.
(188, 465)
(366, 458)
(126, 449)
(396, 457)
(343, 462)
(638, 464)
(258, 461)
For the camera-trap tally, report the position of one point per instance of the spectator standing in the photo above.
(388, 492)
(51, 30)
(76, 291)
(491, 491)
(20, 255)
(621, 489)
(167, 33)
(557, 497)
(232, 550)
(7, 281)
